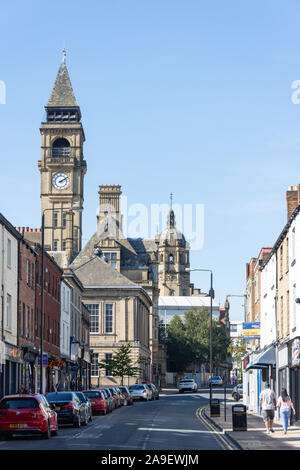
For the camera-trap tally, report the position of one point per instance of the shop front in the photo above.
(28, 369)
(294, 359)
(11, 366)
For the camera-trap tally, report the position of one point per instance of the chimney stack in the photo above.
(292, 199)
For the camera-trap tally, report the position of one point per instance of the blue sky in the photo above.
(192, 97)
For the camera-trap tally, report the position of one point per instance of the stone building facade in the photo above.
(62, 167)
(119, 313)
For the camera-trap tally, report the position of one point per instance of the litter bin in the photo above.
(215, 407)
(239, 418)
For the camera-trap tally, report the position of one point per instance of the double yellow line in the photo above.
(217, 435)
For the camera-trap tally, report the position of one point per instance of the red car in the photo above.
(116, 396)
(98, 401)
(27, 414)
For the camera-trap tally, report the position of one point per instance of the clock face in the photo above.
(60, 181)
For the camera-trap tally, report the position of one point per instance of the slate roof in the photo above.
(98, 273)
(62, 94)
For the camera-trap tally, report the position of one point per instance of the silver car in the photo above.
(187, 385)
(140, 392)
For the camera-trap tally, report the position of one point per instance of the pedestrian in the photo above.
(22, 390)
(285, 406)
(267, 404)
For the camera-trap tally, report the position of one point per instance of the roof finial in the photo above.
(171, 199)
(64, 56)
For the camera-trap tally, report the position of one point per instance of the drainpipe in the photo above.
(276, 332)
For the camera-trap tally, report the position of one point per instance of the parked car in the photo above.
(237, 392)
(68, 408)
(86, 402)
(155, 392)
(127, 394)
(215, 380)
(98, 401)
(116, 396)
(122, 396)
(110, 399)
(187, 385)
(27, 414)
(140, 392)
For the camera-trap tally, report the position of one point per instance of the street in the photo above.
(171, 423)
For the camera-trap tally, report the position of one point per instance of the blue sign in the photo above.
(45, 359)
(251, 330)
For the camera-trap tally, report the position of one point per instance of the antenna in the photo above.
(64, 56)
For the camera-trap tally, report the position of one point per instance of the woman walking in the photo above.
(285, 406)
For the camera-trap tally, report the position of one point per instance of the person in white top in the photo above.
(285, 406)
(267, 404)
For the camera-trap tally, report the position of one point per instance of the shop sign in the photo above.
(13, 353)
(296, 352)
(45, 359)
(251, 330)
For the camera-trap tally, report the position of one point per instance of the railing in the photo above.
(60, 152)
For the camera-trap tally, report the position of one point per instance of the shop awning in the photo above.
(262, 359)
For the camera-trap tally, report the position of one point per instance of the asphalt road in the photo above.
(171, 423)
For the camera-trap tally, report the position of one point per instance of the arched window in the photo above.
(61, 148)
(171, 259)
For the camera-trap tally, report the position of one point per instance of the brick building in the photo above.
(27, 313)
(51, 333)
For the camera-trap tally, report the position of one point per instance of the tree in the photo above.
(237, 349)
(188, 340)
(121, 365)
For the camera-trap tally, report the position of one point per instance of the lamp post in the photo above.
(227, 305)
(212, 295)
(76, 208)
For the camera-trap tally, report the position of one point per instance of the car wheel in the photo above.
(91, 418)
(47, 434)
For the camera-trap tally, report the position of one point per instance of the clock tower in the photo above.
(62, 167)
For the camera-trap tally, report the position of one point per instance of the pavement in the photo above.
(254, 438)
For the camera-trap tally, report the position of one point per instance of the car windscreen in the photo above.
(80, 396)
(93, 394)
(137, 387)
(19, 403)
(59, 397)
(123, 389)
(186, 380)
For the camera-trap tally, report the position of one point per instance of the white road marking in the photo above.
(186, 431)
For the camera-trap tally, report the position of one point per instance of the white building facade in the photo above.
(10, 355)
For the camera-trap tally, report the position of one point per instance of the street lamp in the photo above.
(76, 208)
(227, 305)
(212, 295)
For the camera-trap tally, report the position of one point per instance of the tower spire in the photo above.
(64, 56)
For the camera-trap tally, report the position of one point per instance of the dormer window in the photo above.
(61, 148)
